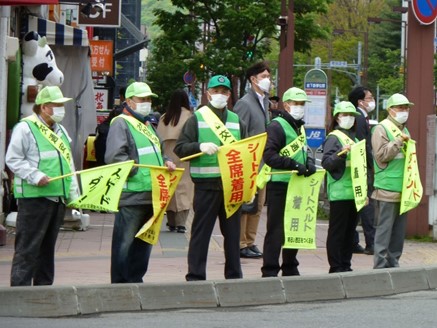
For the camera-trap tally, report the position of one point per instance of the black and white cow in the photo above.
(39, 67)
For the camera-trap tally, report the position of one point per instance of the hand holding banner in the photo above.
(239, 165)
(164, 184)
(412, 189)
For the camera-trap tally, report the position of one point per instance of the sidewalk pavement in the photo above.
(83, 259)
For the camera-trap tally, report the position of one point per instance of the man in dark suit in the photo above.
(253, 109)
(364, 101)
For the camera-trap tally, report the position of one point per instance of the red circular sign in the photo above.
(425, 11)
(189, 77)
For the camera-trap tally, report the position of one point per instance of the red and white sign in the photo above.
(425, 11)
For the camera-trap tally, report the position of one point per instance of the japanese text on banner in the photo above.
(239, 164)
(359, 173)
(101, 187)
(412, 189)
(300, 215)
(164, 184)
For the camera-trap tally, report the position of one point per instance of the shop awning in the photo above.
(27, 2)
(56, 33)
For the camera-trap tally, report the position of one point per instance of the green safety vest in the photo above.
(299, 156)
(147, 154)
(51, 163)
(207, 166)
(341, 189)
(391, 178)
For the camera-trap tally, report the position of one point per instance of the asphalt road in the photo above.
(409, 310)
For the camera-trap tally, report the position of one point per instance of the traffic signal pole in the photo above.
(286, 54)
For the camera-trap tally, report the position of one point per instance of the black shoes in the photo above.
(251, 252)
(368, 250)
(181, 229)
(358, 249)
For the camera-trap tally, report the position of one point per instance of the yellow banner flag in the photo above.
(300, 215)
(239, 164)
(359, 173)
(412, 189)
(164, 184)
(101, 187)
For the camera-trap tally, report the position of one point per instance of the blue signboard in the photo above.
(315, 137)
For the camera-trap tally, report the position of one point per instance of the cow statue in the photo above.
(39, 69)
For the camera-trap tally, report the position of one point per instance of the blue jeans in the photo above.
(130, 255)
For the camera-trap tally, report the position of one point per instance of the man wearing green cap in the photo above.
(39, 150)
(388, 140)
(132, 137)
(198, 135)
(253, 109)
(286, 150)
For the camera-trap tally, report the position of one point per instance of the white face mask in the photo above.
(218, 100)
(296, 111)
(370, 106)
(346, 122)
(401, 117)
(264, 84)
(58, 114)
(144, 108)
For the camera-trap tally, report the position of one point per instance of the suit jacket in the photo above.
(250, 111)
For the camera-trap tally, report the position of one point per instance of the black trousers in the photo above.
(274, 238)
(208, 204)
(37, 227)
(340, 239)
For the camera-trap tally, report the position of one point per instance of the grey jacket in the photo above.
(250, 111)
(120, 146)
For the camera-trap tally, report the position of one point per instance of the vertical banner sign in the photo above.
(412, 189)
(102, 56)
(164, 184)
(316, 87)
(359, 173)
(101, 187)
(239, 165)
(300, 215)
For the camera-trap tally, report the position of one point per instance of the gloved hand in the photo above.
(208, 148)
(311, 169)
(301, 169)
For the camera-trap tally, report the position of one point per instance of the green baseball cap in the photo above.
(345, 107)
(139, 89)
(219, 80)
(50, 94)
(295, 94)
(398, 99)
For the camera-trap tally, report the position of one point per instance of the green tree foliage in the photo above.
(381, 44)
(222, 37)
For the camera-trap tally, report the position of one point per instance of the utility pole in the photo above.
(286, 21)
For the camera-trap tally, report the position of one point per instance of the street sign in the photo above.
(315, 137)
(425, 11)
(336, 63)
(189, 77)
(316, 87)
(109, 16)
